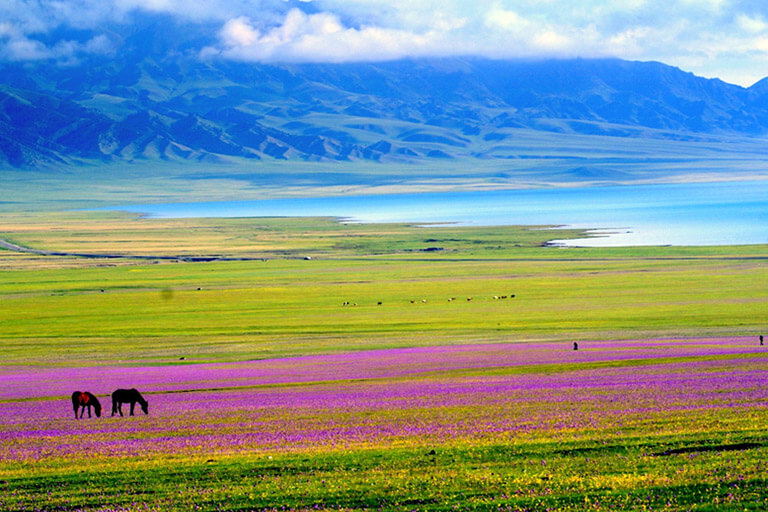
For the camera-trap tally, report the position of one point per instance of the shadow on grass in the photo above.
(712, 448)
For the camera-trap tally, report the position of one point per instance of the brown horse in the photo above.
(85, 400)
(131, 396)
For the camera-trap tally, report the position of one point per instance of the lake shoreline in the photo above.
(722, 213)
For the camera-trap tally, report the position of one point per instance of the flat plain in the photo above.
(305, 364)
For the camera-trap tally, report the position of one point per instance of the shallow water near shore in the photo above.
(724, 213)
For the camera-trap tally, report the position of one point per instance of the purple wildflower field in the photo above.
(387, 398)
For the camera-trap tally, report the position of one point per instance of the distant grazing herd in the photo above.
(424, 301)
(82, 400)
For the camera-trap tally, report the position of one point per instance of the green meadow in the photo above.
(285, 287)
(404, 285)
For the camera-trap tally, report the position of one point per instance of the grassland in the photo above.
(60, 310)
(421, 424)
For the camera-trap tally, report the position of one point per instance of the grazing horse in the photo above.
(131, 396)
(85, 400)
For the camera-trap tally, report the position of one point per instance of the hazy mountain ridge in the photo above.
(178, 107)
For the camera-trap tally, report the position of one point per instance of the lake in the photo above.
(670, 214)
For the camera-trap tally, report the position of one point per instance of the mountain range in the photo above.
(156, 99)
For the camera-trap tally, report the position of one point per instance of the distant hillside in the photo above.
(179, 107)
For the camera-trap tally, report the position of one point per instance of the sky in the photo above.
(726, 39)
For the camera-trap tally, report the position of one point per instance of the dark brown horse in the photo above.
(131, 396)
(85, 400)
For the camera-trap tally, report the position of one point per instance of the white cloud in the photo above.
(318, 37)
(751, 25)
(239, 32)
(503, 19)
(552, 41)
(700, 36)
(19, 48)
(100, 45)
(712, 37)
(23, 49)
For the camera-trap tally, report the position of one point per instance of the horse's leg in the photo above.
(133, 404)
(89, 410)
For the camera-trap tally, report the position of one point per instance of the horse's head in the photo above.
(145, 406)
(97, 408)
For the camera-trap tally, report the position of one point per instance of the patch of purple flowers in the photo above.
(384, 397)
